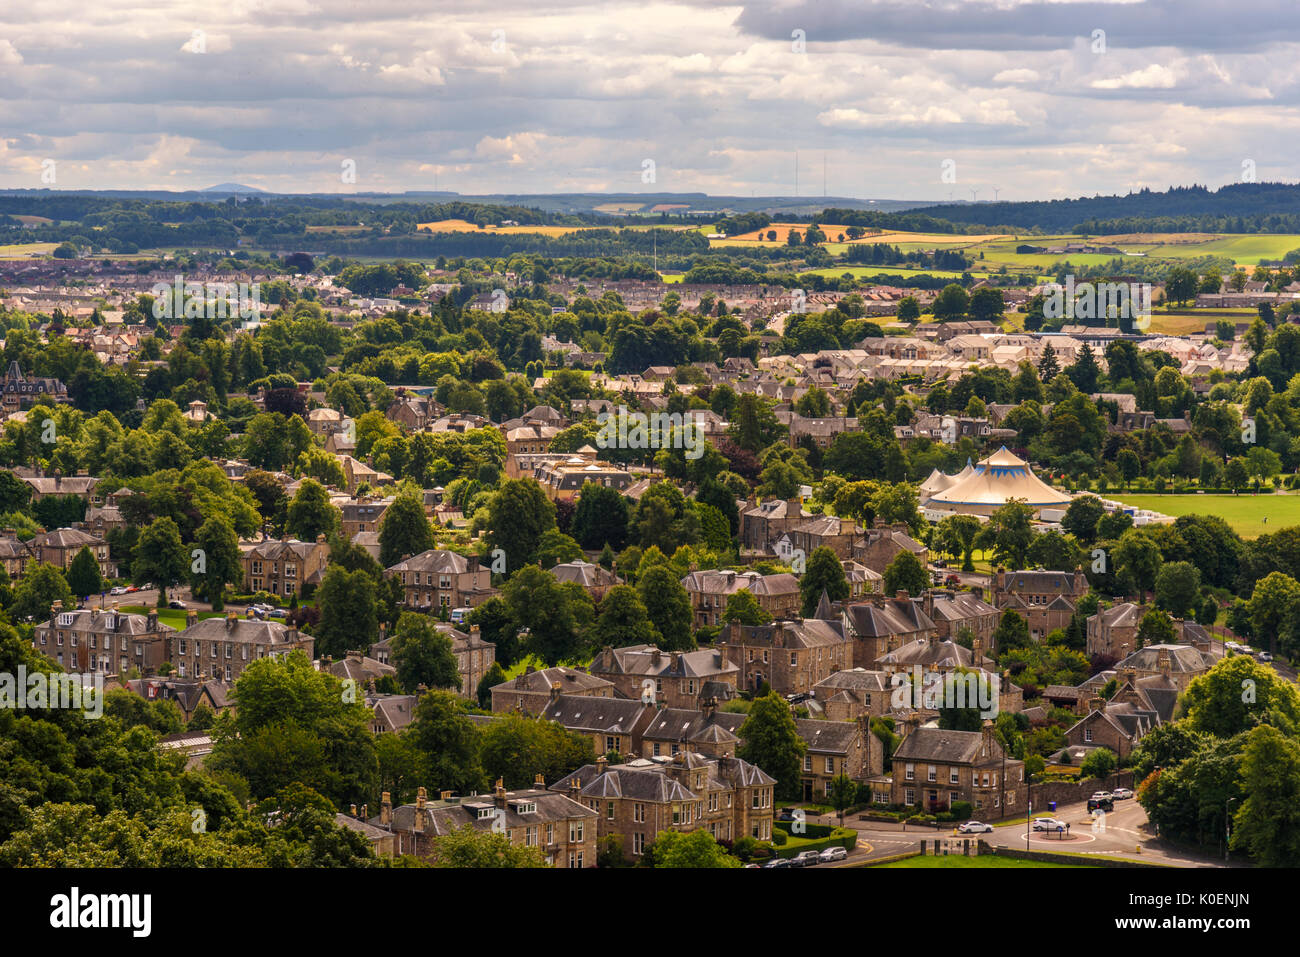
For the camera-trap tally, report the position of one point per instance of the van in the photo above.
(458, 615)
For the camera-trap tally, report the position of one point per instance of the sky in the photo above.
(897, 99)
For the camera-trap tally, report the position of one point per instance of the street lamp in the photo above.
(1227, 827)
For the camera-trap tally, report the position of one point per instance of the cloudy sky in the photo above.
(1036, 99)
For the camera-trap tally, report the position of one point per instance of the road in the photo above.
(1118, 837)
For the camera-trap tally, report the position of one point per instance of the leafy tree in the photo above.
(1081, 518)
(696, 848)
(601, 517)
(1137, 560)
(1239, 693)
(624, 620)
(518, 515)
(772, 742)
(222, 563)
(449, 743)
(540, 604)
(743, 609)
(1268, 821)
(906, 573)
(1099, 763)
(83, 574)
(556, 548)
(311, 513)
(349, 616)
(1012, 632)
(160, 557)
(404, 529)
(470, 847)
(824, 572)
(495, 675)
(516, 749)
(1178, 588)
(1009, 533)
(40, 587)
(668, 606)
(423, 655)
(1156, 628)
(497, 626)
(1271, 603)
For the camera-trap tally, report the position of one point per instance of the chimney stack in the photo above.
(421, 813)
(499, 793)
(386, 809)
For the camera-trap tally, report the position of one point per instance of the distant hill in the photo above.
(236, 188)
(1236, 208)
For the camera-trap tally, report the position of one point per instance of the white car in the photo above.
(117, 590)
(833, 854)
(1121, 794)
(1047, 824)
(1103, 795)
(975, 827)
(1264, 656)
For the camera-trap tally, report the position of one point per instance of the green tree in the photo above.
(1239, 693)
(160, 557)
(516, 749)
(696, 848)
(40, 587)
(824, 573)
(404, 529)
(540, 604)
(219, 561)
(449, 744)
(349, 614)
(1081, 518)
(469, 847)
(1012, 632)
(623, 620)
(772, 742)
(518, 515)
(423, 655)
(1268, 821)
(906, 573)
(83, 574)
(743, 609)
(668, 606)
(1100, 763)
(311, 513)
(1009, 533)
(601, 517)
(1156, 628)
(1178, 588)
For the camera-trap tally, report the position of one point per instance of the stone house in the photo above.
(934, 769)
(561, 827)
(439, 579)
(283, 566)
(833, 748)
(881, 545)
(1045, 599)
(61, 546)
(729, 797)
(762, 524)
(103, 640)
(882, 625)
(790, 656)
(223, 648)
(675, 679)
(531, 691)
(709, 591)
(614, 725)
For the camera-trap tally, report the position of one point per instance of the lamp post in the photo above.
(1227, 827)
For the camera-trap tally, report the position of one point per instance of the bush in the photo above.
(778, 837)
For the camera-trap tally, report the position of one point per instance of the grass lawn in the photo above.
(1245, 513)
(169, 616)
(984, 860)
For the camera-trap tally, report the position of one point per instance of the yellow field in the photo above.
(24, 250)
(464, 226)
(29, 220)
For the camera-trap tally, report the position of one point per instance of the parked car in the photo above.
(1100, 804)
(131, 589)
(1047, 824)
(805, 859)
(1121, 794)
(777, 862)
(277, 613)
(1264, 656)
(1104, 795)
(975, 827)
(785, 814)
(118, 590)
(836, 853)
(952, 581)
(177, 604)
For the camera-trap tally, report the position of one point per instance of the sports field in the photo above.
(1249, 515)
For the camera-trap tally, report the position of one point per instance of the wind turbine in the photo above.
(973, 192)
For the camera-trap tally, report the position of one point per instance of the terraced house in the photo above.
(709, 592)
(223, 647)
(729, 797)
(104, 640)
(934, 769)
(1045, 599)
(674, 679)
(790, 656)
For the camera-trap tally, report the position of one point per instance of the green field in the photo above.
(1245, 513)
(929, 861)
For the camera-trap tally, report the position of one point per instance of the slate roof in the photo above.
(827, 737)
(569, 680)
(946, 747)
(596, 715)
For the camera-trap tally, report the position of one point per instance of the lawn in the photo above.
(926, 861)
(169, 616)
(1245, 513)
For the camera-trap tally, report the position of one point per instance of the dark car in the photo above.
(777, 862)
(176, 603)
(1104, 804)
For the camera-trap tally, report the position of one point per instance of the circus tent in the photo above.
(991, 483)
